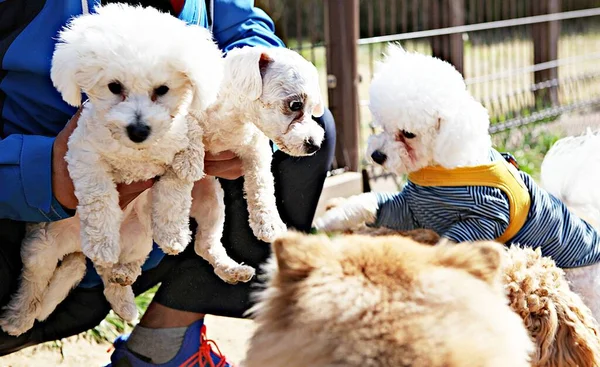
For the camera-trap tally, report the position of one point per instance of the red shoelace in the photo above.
(203, 356)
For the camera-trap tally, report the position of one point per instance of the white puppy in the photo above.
(267, 93)
(142, 71)
(458, 186)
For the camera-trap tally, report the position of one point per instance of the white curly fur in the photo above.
(254, 105)
(120, 44)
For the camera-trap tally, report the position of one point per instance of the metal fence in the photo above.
(527, 61)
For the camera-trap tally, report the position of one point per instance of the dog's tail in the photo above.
(571, 172)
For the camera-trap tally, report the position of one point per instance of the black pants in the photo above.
(188, 281)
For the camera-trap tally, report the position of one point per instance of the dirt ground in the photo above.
(230, 335)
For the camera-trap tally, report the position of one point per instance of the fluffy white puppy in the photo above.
(267, 93)
(142, 71)
(461, 188)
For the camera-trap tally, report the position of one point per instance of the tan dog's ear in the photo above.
(63, 73)
(297, 254)
(483, 260)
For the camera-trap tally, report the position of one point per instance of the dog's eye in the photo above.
(408, 134)
(296, 105)
(161, 91)
(115, 88)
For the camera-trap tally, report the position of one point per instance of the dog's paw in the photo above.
(235, 274)
(268, 227)
(15, 323)
(126, 310)
(46, 310)
(331, 221)
(121, 274)
(187, 169)
(173, 243)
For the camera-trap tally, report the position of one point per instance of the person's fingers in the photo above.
(134, 188)
(128, 192)
(222, 156)
(228, 169)
(232, 174)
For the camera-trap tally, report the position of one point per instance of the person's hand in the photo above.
(62, 185)
(223, 165)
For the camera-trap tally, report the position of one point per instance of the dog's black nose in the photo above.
(138, 132)
(378, 157)
(310, 146)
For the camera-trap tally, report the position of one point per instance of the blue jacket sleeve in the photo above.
(238, 23)
(26, 181)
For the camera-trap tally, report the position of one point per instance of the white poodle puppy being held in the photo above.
(458, 186)
(267, 93)
(135, 126)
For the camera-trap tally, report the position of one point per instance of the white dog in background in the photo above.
(434, 131)
(267, 93)
(140, 85)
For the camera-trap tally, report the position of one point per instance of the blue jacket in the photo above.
(32, 112)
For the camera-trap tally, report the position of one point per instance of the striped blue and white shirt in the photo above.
(472, 213)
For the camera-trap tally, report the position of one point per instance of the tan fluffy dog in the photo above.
(561, 325)
(385, 301)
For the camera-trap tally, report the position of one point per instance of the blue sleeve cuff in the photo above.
(27, 175)
(36, 175)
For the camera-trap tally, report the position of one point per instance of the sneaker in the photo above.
(196, 351)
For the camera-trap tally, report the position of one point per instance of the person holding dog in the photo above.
(35, 125)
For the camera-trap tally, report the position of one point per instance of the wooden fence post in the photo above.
(342, 31)
(450, 47)
(545, 48)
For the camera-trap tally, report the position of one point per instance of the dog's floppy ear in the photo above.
(297, 255)
(247, 67)
(483, 260)
(462, 135)
(63, 73)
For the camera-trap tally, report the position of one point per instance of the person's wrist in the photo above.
(61, 180)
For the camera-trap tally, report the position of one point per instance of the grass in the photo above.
(113, 326)
(528, 146)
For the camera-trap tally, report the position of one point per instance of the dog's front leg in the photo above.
(98, 208)
(350, 214)
(259, 186)
(189, 163)
(171, 204)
